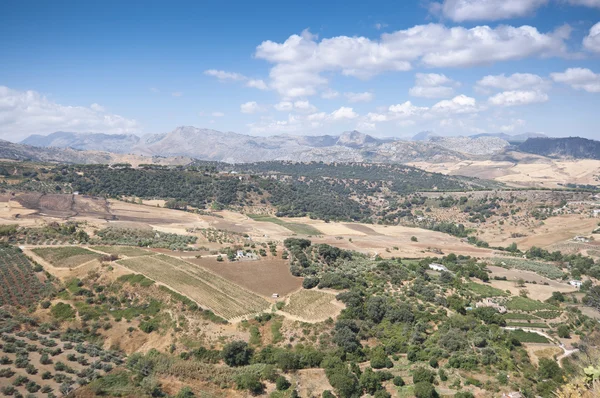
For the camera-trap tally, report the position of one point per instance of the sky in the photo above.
(386, 68)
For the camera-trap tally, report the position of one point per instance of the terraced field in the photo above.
(312, 305)
(67, 256)
(224, 298)
(19, 285)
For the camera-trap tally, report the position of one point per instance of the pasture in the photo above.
(209, 290)
(66, 256)
(312, 305)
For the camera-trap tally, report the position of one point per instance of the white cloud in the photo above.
(330, 94)
(359, 97)
(587, 3)
(177, 94)
(257, 83)
(579, 79)
(250, 107)
(28, 112)
(592, 40)
(457, 105)
(432, 85)
(301, 60)
(300, 106)
(518, 97)
(344, 113)
(515, 81)
(217, 114)
(222, 75)
(486, 10)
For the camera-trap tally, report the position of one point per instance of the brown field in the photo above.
(122, 251)
(264, 277)
(312, 306)
(537, 291)
(66, 256)
(206, 288)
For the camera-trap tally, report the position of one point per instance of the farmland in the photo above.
(312, 305)
(297, 228)
(207, 289)
(265, 276)
(67, 256)
(485, 290)
(527, 305)
(19, 284)
(544, 269)
(528, 337)
(123, 251)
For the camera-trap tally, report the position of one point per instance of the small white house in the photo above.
(437, 267)
(581, 239)
(576, 284)
(596, 212)
(275, 295)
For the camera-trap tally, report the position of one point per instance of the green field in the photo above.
(128, 251)
(544, 269)
(527, 325)
(548, 314)
(485, 290)
(66, 256)
(528, 305)
(528, 337)
(297, 228)
(516, 316)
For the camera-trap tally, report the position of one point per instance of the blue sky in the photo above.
(455, 67)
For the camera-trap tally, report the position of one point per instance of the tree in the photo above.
(414, 239)
(250, 382)
(423, 375)
(185, 392)
(369, 381)
(425, 390)
(592, 298)
(237, 353)
(549, 370)
(564, 332)
(398, 381)
(464, 394)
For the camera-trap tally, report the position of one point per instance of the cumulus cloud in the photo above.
(250, 107)
(28, 112)
(432, 85)
(592, 40)
(223, 75)
(515, 81)
(486, 10)
(300, 62)
(518, 97)
(455, 106)
(344, 113)
(257, 83)
(579, 79)
(359, 97)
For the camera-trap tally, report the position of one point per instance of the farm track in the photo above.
(207, 289)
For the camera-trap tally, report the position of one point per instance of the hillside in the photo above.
(572, 147)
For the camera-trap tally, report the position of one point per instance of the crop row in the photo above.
(20, 285)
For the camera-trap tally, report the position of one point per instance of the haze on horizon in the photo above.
(454, 67)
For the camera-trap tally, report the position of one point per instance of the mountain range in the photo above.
(349, 146)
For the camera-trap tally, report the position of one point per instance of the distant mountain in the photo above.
(572, 147)
(12, 151)
(230, 147)
(117, 143)
(511, 138)
(424, 136)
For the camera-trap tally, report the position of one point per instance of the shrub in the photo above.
(425, 390)
(564, 332)
(310, 282)
(237, 353)
(282, 383)
(398, 381)
(62, 311)
(423, 375)
(250, 382)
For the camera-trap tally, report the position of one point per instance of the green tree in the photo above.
(237, 353)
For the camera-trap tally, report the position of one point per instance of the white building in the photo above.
(596, 212)
(576, 284)
(437, 267)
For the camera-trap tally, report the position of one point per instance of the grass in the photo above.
(311, 305)
(297, 228)
(62, 311)
(527, 325)
(276, 331)
(516, 316)
(136, 279)
(123, 251)
(66, 256)
(528, 337)
(485, 290)
(548, 314)
(528, 305)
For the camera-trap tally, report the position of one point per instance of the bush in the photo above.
(185, 392)
(423, 375)
(564, 332)
(237, 353)
(310, 282)
(62, 311)
(425, 390)
(398, 381)
(282, 383)
(250, 382)
(464, 394)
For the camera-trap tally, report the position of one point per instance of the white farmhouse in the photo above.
(576, 284)
(437, 267)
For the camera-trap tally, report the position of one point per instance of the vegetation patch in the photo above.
(142, 238)
(485, 290)
(297, 228)
(544, 269)
(527, 325)
(123, 251)
(311, 305)
(19, 283)
(528, 305)
(66, 256)
(528, 337)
